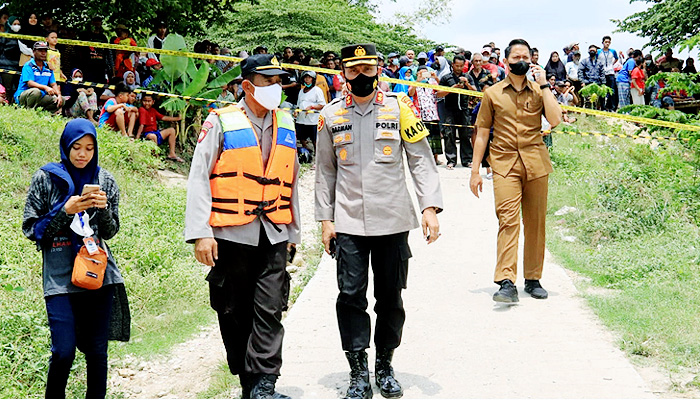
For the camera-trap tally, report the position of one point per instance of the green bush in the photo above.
(636, 230)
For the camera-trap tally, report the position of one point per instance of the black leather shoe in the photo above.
(264, 388)
(246, 381)
(389, 387)
(508, 293)
(360, 387)
(535, 290)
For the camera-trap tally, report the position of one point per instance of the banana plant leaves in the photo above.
(174, 66)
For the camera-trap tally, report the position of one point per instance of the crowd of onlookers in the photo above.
(45, 75)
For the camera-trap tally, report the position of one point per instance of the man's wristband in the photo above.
(546, 85)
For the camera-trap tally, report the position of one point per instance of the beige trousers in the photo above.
(513, 193)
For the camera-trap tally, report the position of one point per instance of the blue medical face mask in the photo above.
(395, 61)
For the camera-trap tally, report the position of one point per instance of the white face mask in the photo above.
(15, 28)
(79, 79)
(269, 97)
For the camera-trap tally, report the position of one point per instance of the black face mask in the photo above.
(592, 53)
(519, 68)
(363, 85)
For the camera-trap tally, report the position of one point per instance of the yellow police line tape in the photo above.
(594, 134)
(624, 117)
(210, 101)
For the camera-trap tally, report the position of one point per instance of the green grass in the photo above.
(167, 292)
(636, 229)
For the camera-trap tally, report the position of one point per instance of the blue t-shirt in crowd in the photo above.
(105, 114)
(624, 75)
(32, 72)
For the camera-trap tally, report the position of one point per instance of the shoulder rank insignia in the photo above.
(380, 97)
(348, 100)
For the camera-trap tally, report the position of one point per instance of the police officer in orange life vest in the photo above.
(364, 205)
(242, 214)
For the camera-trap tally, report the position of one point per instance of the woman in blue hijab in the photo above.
(78, 318)
(405, 74)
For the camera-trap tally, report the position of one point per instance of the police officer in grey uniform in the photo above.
(248, 282)
(364, 205)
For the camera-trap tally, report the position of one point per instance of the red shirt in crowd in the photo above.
(639, 77)
(149, 119)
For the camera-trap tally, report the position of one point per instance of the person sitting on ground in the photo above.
(81, 102)
(571, 88)
(37, 84)
(117, 114)
(53, 57)
(130, 81)
(148, 126)
(564, 97)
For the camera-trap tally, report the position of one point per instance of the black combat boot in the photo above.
(360, 387)
(389, 387)
(264, 388)
(246, 381)
(535, 290)
(508, 293)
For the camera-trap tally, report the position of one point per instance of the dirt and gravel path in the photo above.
(457, 342)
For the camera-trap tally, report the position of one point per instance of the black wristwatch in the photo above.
(546, 85)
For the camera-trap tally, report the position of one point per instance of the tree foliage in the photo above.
(313, 26)
(667, 24)
(182, 16)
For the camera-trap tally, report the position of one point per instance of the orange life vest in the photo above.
(241, 188)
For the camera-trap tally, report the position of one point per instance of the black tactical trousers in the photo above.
(389, 256)
(249, 289)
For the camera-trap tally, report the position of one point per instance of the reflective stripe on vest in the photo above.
(242, 189)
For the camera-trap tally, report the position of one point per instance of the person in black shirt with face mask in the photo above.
(456, 113)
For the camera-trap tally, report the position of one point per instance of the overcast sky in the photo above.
(548, 25)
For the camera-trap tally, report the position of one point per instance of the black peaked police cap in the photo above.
(359, 54)
(263, 64)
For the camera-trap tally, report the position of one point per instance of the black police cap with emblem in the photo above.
(359, 54)
(263, 64)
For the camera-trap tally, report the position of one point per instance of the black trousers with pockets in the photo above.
(249, 289)
(389, 255)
